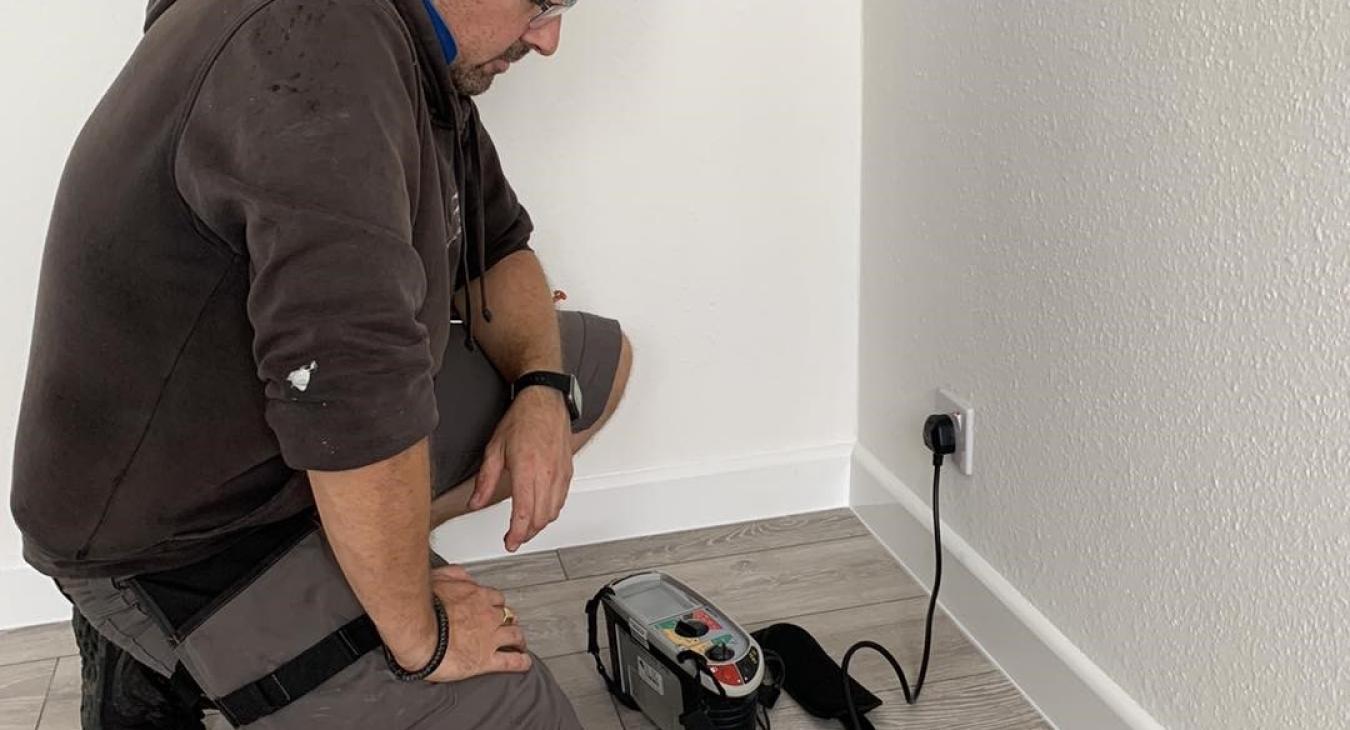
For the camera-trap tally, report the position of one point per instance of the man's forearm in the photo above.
(376, 518)
(523, 335)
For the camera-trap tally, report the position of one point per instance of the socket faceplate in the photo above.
(964, 413)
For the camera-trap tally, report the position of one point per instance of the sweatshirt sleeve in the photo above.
(301, 152)
(507, 225)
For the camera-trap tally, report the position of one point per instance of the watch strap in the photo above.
(561, 382)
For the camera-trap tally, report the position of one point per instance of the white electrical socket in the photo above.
(964, 413)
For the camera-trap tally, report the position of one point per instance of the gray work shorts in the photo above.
(472, 397)
(300, 596)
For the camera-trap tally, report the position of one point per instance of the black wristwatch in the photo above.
(564, 383)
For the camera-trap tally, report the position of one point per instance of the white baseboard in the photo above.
(600, 508)
(29, 598)
(668, 499)
(1065, 685)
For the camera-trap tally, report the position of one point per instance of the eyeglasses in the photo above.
(548, 10)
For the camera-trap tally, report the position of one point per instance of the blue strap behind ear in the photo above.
(448, 47)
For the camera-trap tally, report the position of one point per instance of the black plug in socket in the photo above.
(939, 435)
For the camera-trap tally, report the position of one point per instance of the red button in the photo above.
(727, 674)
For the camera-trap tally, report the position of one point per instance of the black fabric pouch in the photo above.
(812, 678)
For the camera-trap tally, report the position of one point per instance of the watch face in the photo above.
(576, 397)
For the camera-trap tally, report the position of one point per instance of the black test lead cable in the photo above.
(940, 436)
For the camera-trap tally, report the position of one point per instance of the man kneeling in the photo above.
(278, 238)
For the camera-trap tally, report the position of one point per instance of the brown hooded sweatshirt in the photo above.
(248, 274)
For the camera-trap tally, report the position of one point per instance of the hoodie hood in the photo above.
(446, 103)
(156, 9)
(449, 109)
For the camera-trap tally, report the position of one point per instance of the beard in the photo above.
(474, 80)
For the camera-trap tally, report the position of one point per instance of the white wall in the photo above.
(1123, 231)
(56, 59)
(692, 170)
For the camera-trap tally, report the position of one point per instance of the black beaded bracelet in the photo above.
(442, 645)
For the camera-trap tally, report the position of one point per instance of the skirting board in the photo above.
(1065, 685)
(29, 598)
(599, 509)
(668, 499)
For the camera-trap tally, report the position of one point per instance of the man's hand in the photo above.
(479, 642)
(533, 443)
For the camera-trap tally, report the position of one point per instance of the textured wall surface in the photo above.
(1122, 230)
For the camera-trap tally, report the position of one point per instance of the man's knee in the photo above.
(532, 700)
(617, 385)
(551, 708)
(621, 373)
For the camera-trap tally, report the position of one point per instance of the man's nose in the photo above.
(544, 40)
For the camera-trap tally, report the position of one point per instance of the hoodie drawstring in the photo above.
(475, 159)
(471, 208)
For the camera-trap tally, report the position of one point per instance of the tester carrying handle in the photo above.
(593, 646)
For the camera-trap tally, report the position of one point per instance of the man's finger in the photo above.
(511, 636)
(522, 507)
(510, 661)
(550, 508)
(560, 494)
(494, 596)
(489, 474)
(451, 572)
(542, 507)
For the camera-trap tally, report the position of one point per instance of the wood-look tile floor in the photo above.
(823, 571)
